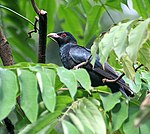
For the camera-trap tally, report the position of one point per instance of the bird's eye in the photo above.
(63, 35)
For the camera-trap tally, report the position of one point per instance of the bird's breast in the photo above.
(66, 59)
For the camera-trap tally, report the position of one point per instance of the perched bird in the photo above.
(73, 55)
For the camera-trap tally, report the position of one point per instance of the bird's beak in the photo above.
(53, 35)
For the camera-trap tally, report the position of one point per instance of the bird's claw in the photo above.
(76, 67)
(104, 80)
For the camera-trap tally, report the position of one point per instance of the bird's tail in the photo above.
(125, 89)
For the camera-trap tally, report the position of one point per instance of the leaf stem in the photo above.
(14, 12)
(107, 12)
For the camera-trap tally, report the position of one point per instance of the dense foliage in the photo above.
(46, 98)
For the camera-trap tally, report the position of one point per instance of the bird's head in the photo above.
(62, 38)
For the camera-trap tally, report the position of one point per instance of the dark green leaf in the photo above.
(41, 123)
(29, 94)
(119, 115)
(116, 4)
(92, 26)
(128, 125)
(71, 21)
(72, 3)
(8, 92)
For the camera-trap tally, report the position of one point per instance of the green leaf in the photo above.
(71, 22)
(137, 40)
(68, 128)
(46, 80)
(77, 122)
(142, 7)
(51, 7)
(62, 102)
(8, 92)
(119, 115)
(128, 67)
(28, 94)
(116, 4)
(113, 99)
(142, 116)
(67, 77)
(144, 55)
(85, 122)
(146, 76)
(145, 129)
(128, 125)
(92, 25)
(120, 39)
(41, 123)
(90, 118)
(106, 44)
(83, 77)
(94, 49)
(86, 5)
(72, 3)
(97, 116)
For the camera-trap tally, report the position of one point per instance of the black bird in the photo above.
(72, 54)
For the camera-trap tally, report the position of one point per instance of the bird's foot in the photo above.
(104, 80)
(109, 81)
(80, 65)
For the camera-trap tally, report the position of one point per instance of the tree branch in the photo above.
(7, 59)
(42, 32)
(42, 36)
(35, 7)
(5, 50)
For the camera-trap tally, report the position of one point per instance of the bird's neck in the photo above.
(62, 45)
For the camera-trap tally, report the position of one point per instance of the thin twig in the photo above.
(35, 7)
(119, 77)
(35, 28)
(107, 12)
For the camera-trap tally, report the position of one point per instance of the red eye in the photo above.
(63, 35)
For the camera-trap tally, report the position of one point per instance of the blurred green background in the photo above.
(84, 19)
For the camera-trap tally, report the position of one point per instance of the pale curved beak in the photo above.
(53, 35)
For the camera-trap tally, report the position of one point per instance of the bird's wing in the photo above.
(80, 54)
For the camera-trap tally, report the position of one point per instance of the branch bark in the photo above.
(7, 59)
(5, 50)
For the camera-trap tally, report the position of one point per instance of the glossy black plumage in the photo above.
(71, 55)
